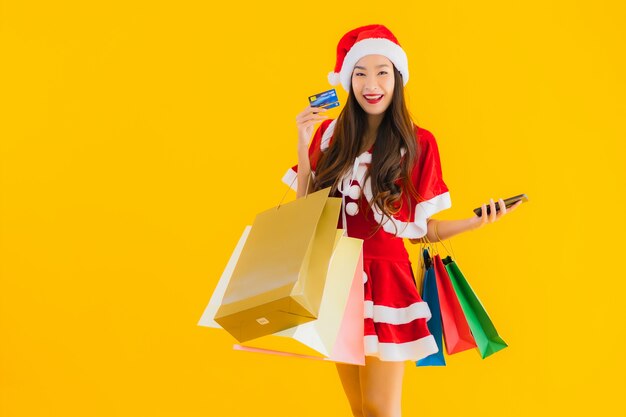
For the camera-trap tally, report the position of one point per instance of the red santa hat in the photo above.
(362, 41)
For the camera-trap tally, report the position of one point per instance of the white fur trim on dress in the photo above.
(371, 46)
(328, 133)
(422, 211)
(397, 352)
(391, 315)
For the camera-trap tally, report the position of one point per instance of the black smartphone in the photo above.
(508, 203)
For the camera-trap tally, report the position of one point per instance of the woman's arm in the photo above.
(445, 229)
(306, 121)
(304, 169)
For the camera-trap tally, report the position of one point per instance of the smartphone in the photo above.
(507, 202)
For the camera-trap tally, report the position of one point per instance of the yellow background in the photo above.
(139, 138)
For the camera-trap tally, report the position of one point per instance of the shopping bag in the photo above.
(483, 330)
(278, 278)
(208, 315)
(430, 296)
(456, 331)
(337, 334)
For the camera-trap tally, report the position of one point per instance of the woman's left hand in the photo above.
(480, 221)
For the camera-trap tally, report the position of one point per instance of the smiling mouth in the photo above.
(373, 99)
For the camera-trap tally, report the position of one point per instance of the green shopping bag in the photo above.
(483, 330)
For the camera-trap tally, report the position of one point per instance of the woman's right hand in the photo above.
(306, 120)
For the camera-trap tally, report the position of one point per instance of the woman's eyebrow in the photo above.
(377, 66)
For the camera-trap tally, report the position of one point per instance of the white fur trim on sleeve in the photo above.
(291, 178)
(418, 227)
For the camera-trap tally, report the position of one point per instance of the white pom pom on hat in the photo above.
(362, 41)
(333, 78)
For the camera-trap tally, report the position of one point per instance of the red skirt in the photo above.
(395, 314)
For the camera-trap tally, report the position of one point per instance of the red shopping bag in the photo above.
(456, 331)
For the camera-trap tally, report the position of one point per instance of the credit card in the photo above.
(327, 99)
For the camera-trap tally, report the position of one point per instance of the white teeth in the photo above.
(373, 97)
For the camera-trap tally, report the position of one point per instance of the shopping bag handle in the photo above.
(306, 192)
(425, 243)
(449, 251)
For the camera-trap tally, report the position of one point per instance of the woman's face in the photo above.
(373, 83)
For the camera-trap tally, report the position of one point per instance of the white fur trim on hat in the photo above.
(373, 46)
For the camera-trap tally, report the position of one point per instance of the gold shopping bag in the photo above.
(279, 276)
(337, 333)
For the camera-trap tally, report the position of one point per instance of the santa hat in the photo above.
(362, 41)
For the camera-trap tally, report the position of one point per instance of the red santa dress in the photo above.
(395, 314)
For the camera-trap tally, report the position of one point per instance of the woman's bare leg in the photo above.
(381, 387)
(350, 379)
(373, 390)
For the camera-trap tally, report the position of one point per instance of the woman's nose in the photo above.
(371, 84)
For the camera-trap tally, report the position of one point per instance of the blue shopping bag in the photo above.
(430, 296)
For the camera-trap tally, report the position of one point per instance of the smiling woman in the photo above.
(373, 83)
(388, 173)
(374, 119)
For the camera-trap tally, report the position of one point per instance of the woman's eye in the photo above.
(356, 74)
